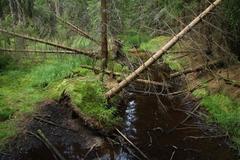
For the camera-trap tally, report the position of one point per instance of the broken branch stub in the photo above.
(159, 53)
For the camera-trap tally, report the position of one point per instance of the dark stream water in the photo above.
(146, 125)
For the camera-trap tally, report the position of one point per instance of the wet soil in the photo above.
(61, 127)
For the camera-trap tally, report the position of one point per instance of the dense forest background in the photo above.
(141, 19)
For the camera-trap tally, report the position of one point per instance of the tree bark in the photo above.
(104, 45)
(159, 54)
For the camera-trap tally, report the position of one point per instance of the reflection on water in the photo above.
(130, 118)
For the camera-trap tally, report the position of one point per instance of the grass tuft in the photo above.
(200, 93)
(224, 111)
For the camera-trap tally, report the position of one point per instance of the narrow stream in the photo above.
(147, 126)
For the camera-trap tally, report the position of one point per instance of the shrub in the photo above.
(5, 60)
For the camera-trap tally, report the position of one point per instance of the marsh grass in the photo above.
(224, 111)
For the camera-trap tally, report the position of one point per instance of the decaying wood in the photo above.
(99, 71)
(78, 30)
(133, 145)
(196, 69)
(53, 124)
(90, 150)
(158, 94)
(115, 74)
(41, 137)
(37, 51)
(159, 53)
(76, 51)
(49, 144)
(149, 82)
(104, 35)
(206, 137)
(230, 81)
(185, 120)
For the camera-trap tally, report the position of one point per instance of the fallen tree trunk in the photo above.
(159, 54)
(143, 81)
(36, 51)
(77, 51)
(196, 69)
(78, 30)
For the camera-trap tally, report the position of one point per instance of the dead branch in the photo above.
(41, 137)
(78, 30)
(76, 51)
(196, 69)
(156, 93)
(115, 74)
(37, 51)
(90, 150)
(182, 122)
(52, 147)
(159, 54)
(53, 124)
(133, 145)
(206, 137)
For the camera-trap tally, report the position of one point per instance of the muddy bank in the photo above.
(61, 127)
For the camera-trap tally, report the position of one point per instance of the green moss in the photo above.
(88, 95)
(155, 44)
(224, 111)
(176, 65)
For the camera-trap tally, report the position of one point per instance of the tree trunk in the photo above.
(76, 51)
(12, 10)
(159, 53)
(104, 45)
